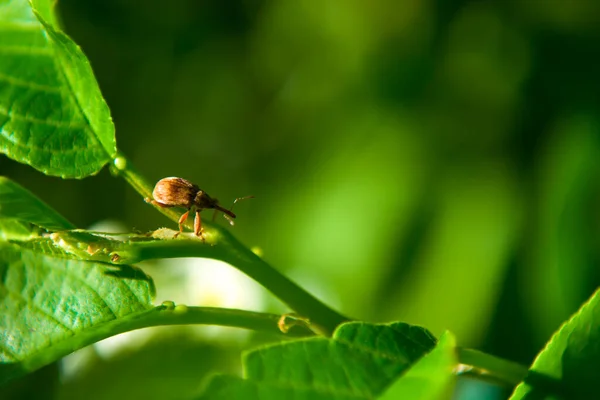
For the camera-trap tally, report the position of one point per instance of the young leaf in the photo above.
(47, 304)
(20, 204)
(52, 114)
(359, 362)
(571, 358)
(430, 378)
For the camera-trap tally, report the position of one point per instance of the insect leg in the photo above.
(182, 220)
(197, 224)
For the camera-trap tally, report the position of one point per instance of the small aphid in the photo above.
(178, 192)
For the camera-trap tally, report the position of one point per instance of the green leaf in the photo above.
(46, 8)
(50, 307)
(52, 114)
(569, 363)
(12, 229)
(20, 204)
(359, 362)
(432, 377)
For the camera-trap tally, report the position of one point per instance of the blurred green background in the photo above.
(434, 162)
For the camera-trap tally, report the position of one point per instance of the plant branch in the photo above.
(490, 368)
(223, 246)
(494, 369)
(166, 314)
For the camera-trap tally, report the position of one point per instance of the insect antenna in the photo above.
(228, 214)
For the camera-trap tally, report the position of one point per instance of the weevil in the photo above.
(178, 192)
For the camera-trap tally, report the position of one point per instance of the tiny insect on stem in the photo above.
(178, 192)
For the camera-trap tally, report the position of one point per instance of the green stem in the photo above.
(226, 247)
(166, 314)
(491, 368)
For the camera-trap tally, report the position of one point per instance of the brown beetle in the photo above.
(178, 192)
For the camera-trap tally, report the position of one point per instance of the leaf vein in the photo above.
(6, 350)
(41, 149)
(26, 50)
(90, 133)
(58, 124)
(35, 308)
(70, 273)
(377, 353)
(17, 26)
(32, 85)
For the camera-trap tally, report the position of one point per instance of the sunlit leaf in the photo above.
(571, 358)
(52, 114)
(359, 362)
(50, 307)
(430, 378)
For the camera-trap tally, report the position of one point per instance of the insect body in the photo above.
(178, 192)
